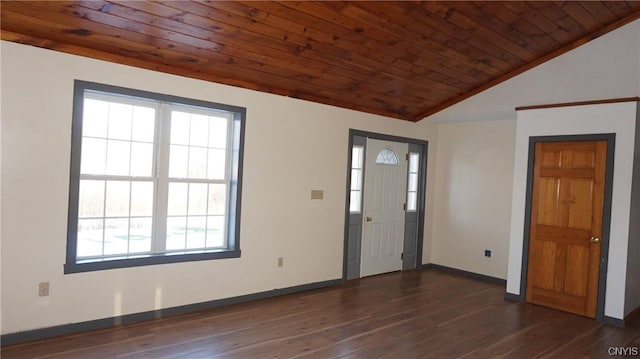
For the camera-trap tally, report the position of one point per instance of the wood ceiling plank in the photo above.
(434, 33)
(454, 36)
(159, 35)
(580, 14)
(481, 33)
(617, 8)
(267, 56)
(430, 54)
(599, 11)
(493, 20)
(559, 16)
(416, 70)
(385, 73)
(358, 53)
(362, 65)
(523, 27)
(434, 56)
(529, 13)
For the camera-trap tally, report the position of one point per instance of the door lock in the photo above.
(369, 219)
(595, 239)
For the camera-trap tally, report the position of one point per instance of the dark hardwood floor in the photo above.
(415, 314)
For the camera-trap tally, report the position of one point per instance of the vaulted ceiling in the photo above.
(402, 59)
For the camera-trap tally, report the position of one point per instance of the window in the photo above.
(357, 160)
(154, 179)
(387, 157)
(412, 182)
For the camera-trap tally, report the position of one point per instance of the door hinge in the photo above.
(401, 255)
(404, 206)
(406, 157)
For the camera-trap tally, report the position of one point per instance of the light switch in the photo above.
(317, 194)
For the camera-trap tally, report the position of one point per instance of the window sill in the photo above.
(137, 261)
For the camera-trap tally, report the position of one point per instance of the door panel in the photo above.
(566, 213)
(384, 194)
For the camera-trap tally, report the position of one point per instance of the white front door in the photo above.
(385, 185)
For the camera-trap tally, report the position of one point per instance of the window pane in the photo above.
(180, 128)
(355, 179)
(197, 162)
(91, 201)
(412, 201)
(354, 205)
(197, 199)
(116, 236)
(89, 237)
(93, 157)
(178, 161)
(94, 120)
(118, 155)
(177, 199)
(217, 132)
(117, 199)
(216, 168)
(196, 232)
(142, 199)
(120, 121)
(141, 159)
(140, 235)
(144, 120)
(413, 162)
(176, 233)
(215, 231)
(217, 198)
(356, 157)
(413, 182)
(199, 130)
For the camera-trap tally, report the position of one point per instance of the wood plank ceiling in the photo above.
(401, 59)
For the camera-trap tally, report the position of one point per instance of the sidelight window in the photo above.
(412, 182)
(357, 171)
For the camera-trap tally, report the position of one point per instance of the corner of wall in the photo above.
(632, 285)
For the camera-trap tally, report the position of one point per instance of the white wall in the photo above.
(618, 118)
(474, 169)
(292, 146)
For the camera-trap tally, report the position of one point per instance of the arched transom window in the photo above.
(387, 157)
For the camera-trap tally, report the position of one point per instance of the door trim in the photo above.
(610, 138)
(422, 186)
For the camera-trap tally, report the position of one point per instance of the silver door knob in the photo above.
(595, 239)
(369, 219)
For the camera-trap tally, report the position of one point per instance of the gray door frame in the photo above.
(353, 222)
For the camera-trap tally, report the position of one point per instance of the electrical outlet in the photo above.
(43, 289)
(280, 261)
(487, 253)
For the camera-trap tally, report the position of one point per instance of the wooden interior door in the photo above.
(566, 225)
